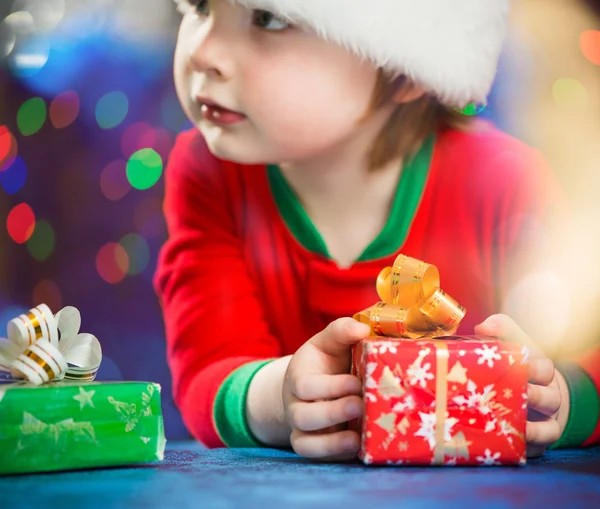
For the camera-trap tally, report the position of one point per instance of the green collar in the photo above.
(394, 233)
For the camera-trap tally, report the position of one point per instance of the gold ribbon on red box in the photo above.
(413, 306)
(412, 303)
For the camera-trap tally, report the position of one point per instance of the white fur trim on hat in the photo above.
(451, 47)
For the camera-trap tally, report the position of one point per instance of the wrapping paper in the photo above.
(455, 401)
(62, 425)
(431, 397)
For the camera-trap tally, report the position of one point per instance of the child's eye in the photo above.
(268, 21)
(202, 7)
(198, 7)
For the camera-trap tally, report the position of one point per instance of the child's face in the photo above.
(298, 95)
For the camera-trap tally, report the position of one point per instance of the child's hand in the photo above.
(548, 395)
(320, 396)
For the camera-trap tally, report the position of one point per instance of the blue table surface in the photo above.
(191, 476)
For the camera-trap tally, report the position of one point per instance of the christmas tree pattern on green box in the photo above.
(65, 426)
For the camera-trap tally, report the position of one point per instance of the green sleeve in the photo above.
(584, 407)
(229, 409)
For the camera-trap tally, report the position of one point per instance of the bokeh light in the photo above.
(589, 42)
(46, 15)
(29, 55)
(111, 109)
(140, 135)
(43, 241)
(138, 253)
(160, 140)
(172, 115)
(20, 223)
(26, 52)
(8, 147)
(13, 175)
(8, 39)
(31, 116)
(113, 180)
(473, 109)
(134, 136)
(148, 218)
(133, 20)
(85, 19)
(569, 93)
(112, 263)
(64, 109)
(547, 302)
(144, 169)
(47, 292)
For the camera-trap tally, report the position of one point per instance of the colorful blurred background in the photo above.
(88, 115)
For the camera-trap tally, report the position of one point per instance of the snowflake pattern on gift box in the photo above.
(479, 400)
(488, 355)
(490, 426)
(402, 395)
(388, 347)
(419, 373)
(370, 382)
(488, 459)
(406, 405)
(427, 429)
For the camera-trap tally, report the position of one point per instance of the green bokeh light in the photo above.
(472, 109)
(31, 116)
(144, 169)
(43, 241)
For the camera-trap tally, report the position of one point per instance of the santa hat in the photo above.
(450, 47)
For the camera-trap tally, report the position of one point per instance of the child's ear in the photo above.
(408, 92)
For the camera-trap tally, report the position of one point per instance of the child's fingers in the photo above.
(341, 445)
(545, 400)
(339, 336)
(313, 416)
(541, 370)
(318, 386)
(535, 451)
(505, 328)
(542, 433)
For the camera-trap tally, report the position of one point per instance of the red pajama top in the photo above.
(245, 277)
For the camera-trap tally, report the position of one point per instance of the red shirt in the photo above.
(236, 286)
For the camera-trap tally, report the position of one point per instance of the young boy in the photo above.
(329, 143)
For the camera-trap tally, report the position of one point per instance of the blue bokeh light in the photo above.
(13, 178)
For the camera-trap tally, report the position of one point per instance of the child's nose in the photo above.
(210, 53)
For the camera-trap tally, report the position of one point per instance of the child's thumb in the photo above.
(339, 336)
(504, 328)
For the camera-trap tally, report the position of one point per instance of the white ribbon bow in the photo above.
(43, 347)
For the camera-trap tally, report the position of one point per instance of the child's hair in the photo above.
(410, 123)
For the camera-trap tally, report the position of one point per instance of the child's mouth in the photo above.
(219, 115)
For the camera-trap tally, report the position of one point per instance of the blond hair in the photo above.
(410, 123)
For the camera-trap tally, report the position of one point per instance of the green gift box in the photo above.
(68, 425)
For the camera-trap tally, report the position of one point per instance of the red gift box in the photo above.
(454, 401)
(433, 398)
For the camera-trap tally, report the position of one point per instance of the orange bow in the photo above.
(413, 305)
